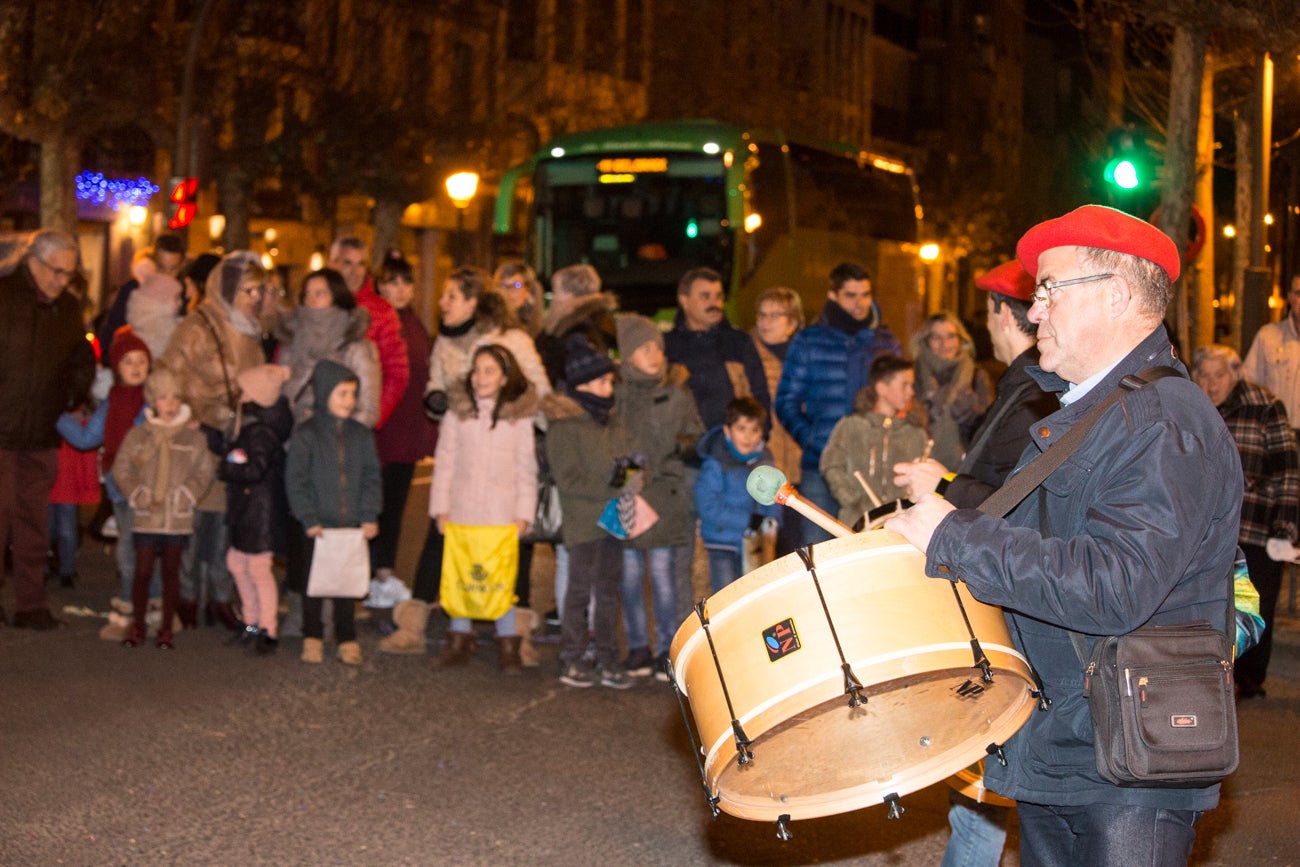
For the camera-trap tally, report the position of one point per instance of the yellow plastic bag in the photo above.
(479, 567)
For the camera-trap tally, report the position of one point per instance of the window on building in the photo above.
(634, 51)
(601, 54)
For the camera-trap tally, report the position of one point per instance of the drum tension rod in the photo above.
(896, 810)
(981, 661)
(852, 686)
(744, 755)
(783, 827)
(996, 750)
(697, 750)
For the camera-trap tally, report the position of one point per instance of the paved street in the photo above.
(207, 756)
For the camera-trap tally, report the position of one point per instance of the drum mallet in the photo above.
(768, 485)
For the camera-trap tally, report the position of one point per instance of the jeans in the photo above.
(663, 590)
(813, 488)
(64, 536)
(205, 558)
(724, 567)
(505, 624)
(1105, 835)
(979, 832)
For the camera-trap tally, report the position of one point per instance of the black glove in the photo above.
(435, 405)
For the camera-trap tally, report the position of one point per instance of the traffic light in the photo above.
(182, 202)
(1129, 165)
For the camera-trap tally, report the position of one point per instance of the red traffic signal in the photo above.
(182, 202)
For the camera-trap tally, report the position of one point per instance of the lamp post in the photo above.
(461, 187)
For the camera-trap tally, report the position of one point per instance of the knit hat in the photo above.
(125, 340)
(160, 288)
(584, 362)
(162, 382)
(262, 384)
(634, 331)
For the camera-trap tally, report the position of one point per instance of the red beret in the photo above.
(1105, 228)
(1010, 280)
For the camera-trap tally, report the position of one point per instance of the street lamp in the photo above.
(461, 187)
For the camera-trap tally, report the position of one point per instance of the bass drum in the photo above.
(770, 660)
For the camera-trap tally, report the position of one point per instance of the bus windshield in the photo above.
(642, 220)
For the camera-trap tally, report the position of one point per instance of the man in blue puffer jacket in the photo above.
(824, 368)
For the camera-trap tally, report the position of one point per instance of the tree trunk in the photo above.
(59, 183)
(387, 220)
(1180, 154)
(1241, 241)
(1202, 312)
(232, 194)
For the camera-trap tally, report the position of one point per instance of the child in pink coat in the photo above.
(485, 474)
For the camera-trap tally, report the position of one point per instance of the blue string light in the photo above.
(94, 187)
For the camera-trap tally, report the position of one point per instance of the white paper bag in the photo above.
(340, 564)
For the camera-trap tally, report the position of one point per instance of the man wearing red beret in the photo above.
(1138, 527)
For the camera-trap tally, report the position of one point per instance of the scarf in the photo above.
(835, 316)
(314, 334)
(940, 380)
(632, 375)
(598, 408)
(124, 404)
(456, 330)
(160, 436)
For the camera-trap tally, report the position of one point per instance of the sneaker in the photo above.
(109, 529)
(552, 617)
(578, 676)
(661, 668)
(615, 678)
(639, 662)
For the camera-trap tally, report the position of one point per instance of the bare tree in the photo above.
(68, 70)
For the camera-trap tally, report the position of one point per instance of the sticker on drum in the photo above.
(781, 640)
(928, 711)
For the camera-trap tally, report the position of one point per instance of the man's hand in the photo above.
(919, 478)
(1282, 551)
(315, 531)
(442, 523)
(918, 523)
(369, 530)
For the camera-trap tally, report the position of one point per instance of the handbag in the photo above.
(627, 517)
(1161, 698)
(479, 567)
(548, 522)
(340, 564)
(1163, 712)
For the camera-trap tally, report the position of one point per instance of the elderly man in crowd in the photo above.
(46, 367)
(1138, 527)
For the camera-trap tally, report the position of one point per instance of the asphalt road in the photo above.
(205, 755)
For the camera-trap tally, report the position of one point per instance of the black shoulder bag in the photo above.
(1163, 713)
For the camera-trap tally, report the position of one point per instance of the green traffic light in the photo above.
(692, 229)
(1122, 173)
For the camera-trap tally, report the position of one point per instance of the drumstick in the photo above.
(768, 485)
(925, 455)
(875, 501)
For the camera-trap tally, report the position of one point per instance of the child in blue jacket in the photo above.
(729, 452)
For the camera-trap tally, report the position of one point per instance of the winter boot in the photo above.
(508, 655)
(313, 651)
(412, 618)
(350, 653)
(460, 647)
(526, 623)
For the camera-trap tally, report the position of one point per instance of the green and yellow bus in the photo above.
(645, 203)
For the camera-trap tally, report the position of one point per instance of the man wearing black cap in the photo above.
(1138, 527)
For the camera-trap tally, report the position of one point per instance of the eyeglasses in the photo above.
(61, 273)
(1044, 291)
(517, 284)
(253, 290)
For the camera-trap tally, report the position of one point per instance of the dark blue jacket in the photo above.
(1144, 530)
(721, 498)
(824, 369)
(713, 358)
